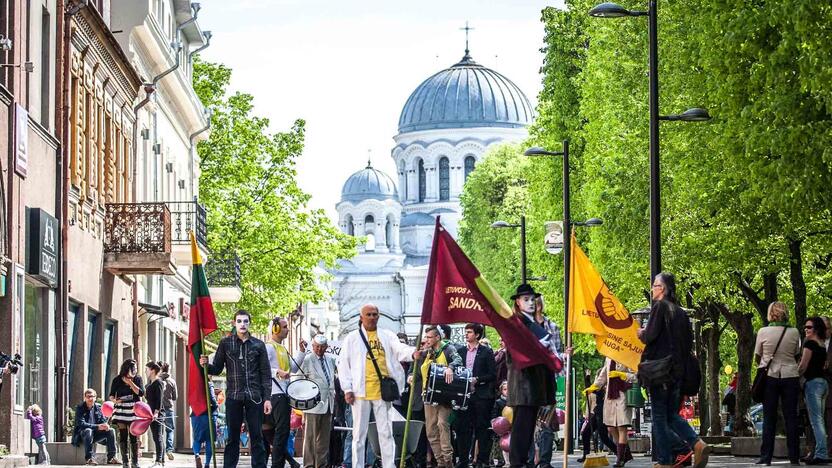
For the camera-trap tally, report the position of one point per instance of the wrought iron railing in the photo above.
(186, 217)
(223, 271)
(137, 227)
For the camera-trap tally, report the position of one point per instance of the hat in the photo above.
(319, 340)
(524, 290)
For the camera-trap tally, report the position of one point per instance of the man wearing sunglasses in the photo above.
(248, 377)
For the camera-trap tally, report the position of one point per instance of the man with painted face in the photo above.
(248, 378)
(529, 388)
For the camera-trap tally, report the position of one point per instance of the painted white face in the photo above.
(242, 322)
(526, 303)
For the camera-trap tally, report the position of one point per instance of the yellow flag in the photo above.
(593, 309)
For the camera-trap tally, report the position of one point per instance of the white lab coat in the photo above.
(352, 360)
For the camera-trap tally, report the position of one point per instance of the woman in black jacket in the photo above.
(154, 393)
(125, 391)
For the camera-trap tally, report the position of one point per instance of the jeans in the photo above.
(668, 427)
(545, 444)
(157, 431)
(815, 392)
(169, 427)
(91, 437)
(280, 418)
(202, 436)
(784, 391)
(43, 455)
(235, 410)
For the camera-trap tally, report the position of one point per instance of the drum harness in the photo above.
(300, 369)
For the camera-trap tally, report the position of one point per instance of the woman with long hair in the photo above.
(125, 391)
(811, 367)
(155, 390)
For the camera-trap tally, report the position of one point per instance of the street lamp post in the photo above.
(522, 226)
(612, 10)
(567, 255)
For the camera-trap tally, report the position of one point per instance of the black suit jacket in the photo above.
(485, 370)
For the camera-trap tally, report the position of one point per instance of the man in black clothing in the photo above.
(249, 383)
(473, 423)
(91, 427)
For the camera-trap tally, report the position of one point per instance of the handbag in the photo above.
(655, 372)
(758, 388)
(389, 388)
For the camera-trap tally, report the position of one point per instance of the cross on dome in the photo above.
(467, 29)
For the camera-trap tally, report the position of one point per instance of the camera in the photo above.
(14, 362)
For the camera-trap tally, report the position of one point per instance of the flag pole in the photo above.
(211, 428)
(409, 404)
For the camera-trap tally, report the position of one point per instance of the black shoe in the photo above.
(816, 461)
(581, 460)
(763, 461)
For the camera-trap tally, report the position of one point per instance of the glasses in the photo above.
(242, 321)
(657, 286)
(808, 327)
(89, 396)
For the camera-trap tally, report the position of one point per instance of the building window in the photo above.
(92, 322)
(388, 232)
(444, 179)
(20, 296)
(109, 333)
(470, 163)
(370, 232)
(33, 345)
(71, 346)
(45, 68)
(422, 182)
(349, 228)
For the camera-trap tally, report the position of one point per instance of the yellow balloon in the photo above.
(508, 413)
(729, 370)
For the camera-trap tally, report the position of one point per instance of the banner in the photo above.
(202, 323)
(455, 292)
(593, 309)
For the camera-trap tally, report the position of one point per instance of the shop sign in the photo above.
(21, 140)
(42, 246)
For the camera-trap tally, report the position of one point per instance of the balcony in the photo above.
(186, 217)
(137, 239)
(223, 275)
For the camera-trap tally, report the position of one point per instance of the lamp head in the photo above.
(500, 224)
(695, 114)
(611, 10)
(592, 222)
(538, 151)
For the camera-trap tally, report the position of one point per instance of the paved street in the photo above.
(183, 461)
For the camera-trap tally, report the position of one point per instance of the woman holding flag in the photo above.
(615, 380)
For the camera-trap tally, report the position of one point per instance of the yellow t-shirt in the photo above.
(426, 364)
(372, 384)
(282, 355)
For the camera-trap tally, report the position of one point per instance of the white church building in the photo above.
(445, 127)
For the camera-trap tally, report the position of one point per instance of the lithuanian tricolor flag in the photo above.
(202, 323)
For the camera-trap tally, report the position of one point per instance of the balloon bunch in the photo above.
(144, 416)
(501, 425)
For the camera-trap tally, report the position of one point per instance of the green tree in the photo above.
(255, 208)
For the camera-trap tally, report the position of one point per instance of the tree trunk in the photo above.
(714, 364)
(742, 324)
(705, 414)
(798, 282)
(769, 294)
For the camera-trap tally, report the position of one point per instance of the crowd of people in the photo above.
(795, 368)
(378, 376)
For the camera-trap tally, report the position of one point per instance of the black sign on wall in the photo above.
(43, 234)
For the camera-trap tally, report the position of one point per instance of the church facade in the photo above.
(445, 127)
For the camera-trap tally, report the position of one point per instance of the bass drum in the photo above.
(303, 394)
(454, 394)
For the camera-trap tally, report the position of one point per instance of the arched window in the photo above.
(388, 231)
(403, 181)
(370, 232)
(470, 162)
(422, 182)
(444, 179)
(349, 228)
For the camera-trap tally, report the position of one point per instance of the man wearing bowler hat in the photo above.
(529, 388)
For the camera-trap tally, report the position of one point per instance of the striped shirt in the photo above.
(123, 412)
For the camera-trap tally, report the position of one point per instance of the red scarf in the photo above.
(616, 386)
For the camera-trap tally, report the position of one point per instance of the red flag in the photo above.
(202, 322)
(456, 292)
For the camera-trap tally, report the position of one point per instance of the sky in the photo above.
(347, 67)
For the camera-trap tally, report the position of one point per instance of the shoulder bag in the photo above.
(389, 388)
(758, 388)
(654, 372)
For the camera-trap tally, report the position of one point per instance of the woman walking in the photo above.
(811, 367)
(775, 350)
(155, 390)
(125, 391)
(615, 380)
(668, 333)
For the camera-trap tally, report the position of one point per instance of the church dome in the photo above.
(369, 183)
(463, 96)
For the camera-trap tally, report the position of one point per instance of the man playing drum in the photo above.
(362, 385)
(281, 367)
(436, 416)
(318, 367)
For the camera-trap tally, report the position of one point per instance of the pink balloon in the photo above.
(295, 420)
(505, 442)
(107, 408)
(500, 425)
(139, 426)
(561, 415)
(142, 410)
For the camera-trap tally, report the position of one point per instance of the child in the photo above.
(35, 417)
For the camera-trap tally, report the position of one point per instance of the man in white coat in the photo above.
(362, 384)
(319, 368)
